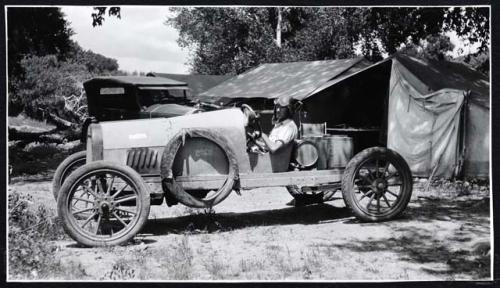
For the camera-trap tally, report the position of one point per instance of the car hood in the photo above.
(168, 110)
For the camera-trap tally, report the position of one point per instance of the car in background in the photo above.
(112, 98)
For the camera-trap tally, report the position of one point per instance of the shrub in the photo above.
(30, 254)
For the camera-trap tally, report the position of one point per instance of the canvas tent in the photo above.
(439, 117)
(261, 85)
(434, 113)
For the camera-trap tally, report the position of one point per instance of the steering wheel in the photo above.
(254, 131)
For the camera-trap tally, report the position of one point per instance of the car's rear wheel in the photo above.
(377, 184)
(103, 203)
(70, 164)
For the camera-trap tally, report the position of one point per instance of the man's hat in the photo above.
(282, 101)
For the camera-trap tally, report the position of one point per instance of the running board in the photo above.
(255, 180)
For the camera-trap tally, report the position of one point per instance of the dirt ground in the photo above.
(441, 236)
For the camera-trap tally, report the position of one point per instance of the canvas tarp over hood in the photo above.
(274, 80)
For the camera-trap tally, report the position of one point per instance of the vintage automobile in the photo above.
(127, 97)
(197, 160)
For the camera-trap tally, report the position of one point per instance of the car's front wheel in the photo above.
(103, 203)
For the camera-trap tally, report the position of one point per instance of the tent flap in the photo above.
(424, 128)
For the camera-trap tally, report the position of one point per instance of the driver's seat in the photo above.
(278, 161)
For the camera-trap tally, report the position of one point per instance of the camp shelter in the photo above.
(434, 113)
(196, 82)
(259, 86)
(439, 117)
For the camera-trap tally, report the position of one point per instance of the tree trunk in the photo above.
(278, 29)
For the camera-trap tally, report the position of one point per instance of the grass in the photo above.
(215, 266)
(31, 230)
(121, 270)
(179, 260)
(27, 124)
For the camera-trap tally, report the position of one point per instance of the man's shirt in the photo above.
(285, 132)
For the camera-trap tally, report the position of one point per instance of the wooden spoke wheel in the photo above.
(103, 203)
(70, 164)
(377, 184)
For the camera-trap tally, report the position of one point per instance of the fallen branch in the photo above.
(60, 122)
(53, 136)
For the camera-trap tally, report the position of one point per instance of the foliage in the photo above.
(35, 31)
(51, 85)
(46, 68)
(432, 47)
(94, 62)
(226, 41)
(392, 27)
(233, 40)
(45, 83)
(322, 35)
(100, 12)
(29, 254)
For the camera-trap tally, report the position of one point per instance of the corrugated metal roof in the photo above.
(293, 79)
(198, 83)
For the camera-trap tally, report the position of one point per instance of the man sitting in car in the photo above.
(284, 132)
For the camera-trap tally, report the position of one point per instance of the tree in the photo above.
(232, 40)
(98, 16)
(35, 31)
(432, 47)
(95, 63)
(55, 87)
(46, 82)
(393, 28)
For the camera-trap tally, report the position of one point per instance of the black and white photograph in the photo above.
(248, 143)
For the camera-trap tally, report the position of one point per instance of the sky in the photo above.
(139, 41)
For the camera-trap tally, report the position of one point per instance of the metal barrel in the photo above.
(306, 153)
(334, 151)
(339, 151)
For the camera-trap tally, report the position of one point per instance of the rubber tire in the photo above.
(168, 157)
(137, 181)
(61, 172)
(348, 179)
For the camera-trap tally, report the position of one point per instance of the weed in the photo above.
(215, 267)
(180, 262)
(121, 270)
(30, 255)
(249, 265)
(281, 259)
(312, 257)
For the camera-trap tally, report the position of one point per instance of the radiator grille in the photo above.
(142, 158)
